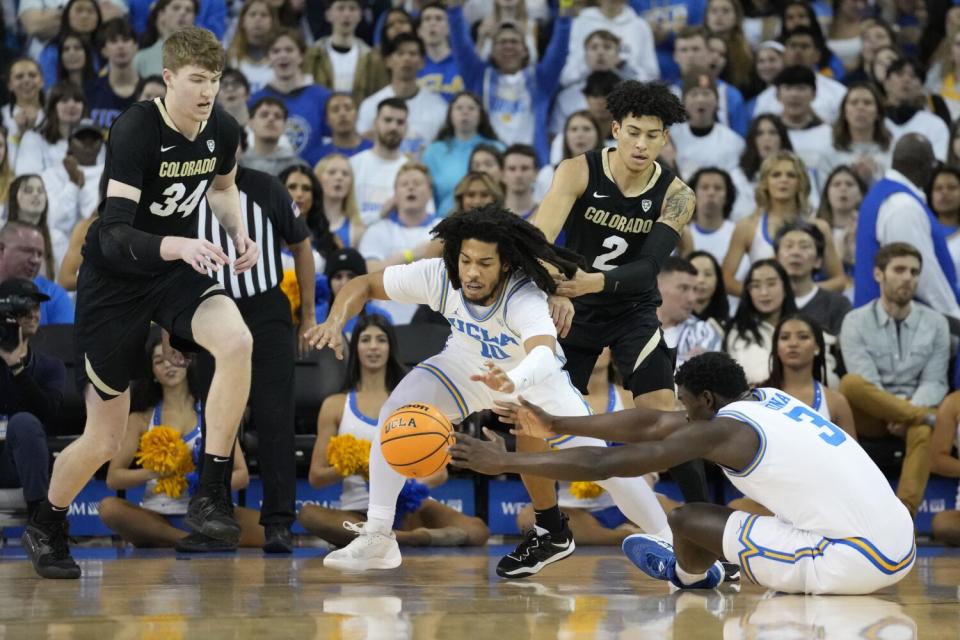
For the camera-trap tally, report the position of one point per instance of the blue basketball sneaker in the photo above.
(655, 557)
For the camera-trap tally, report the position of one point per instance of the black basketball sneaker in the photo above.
(212, 515)
(537, 551)
(46, 544)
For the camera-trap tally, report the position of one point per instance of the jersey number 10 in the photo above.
(175, 193)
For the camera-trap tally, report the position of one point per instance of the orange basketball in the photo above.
(414, 440)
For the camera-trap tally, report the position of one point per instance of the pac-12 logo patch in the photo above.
(211, 145)
(645, 205)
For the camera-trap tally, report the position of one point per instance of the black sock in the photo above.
(213, 474)
(32, 507)
(46, 512)
(549, 519)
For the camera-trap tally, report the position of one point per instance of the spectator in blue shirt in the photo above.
(80, 17)
(341, 119)
(305, 102)
(467, 126)
(516, 94)
(110, 94)
(22, 252)
(440, 72)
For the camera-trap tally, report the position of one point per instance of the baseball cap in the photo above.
(346, 260)
(22, 287)
(86, 124)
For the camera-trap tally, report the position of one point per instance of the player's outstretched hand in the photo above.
(527, 418)
(328, 334)
(495, 378)
(202, 255)
(248, 251)
(483, 456)
(580, 284)
(561, 310)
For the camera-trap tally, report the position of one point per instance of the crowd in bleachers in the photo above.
(822, 142)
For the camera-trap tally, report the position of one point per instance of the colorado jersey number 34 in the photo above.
(174, 194)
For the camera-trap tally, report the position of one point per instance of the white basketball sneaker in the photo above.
(369, 550)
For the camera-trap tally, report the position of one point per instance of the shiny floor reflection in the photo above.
(443, 594)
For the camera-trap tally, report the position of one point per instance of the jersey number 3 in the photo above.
(617, 245)
(831, 434)
(175, 193)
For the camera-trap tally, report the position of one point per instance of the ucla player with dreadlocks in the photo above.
(491, 286)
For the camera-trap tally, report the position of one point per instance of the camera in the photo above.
(11, 309)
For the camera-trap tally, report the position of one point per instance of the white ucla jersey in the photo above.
(355, 495)
(814, 476)
(496, 332)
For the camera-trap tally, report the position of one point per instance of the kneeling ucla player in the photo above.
(838, 528)
(490, 286)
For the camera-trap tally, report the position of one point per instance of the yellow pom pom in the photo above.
(291, 288)
(173, 486)
(585, 490)
(349, 455)
(163, 450)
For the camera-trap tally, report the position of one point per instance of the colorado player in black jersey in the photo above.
(624, 213)
(142, 264)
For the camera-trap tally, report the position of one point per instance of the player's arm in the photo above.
(694, 440)
(132, 139)
(348, 303)
(569, 182)
(641, 275)
(539, 364)
(630, 425)
(419, 283)
(224, 199)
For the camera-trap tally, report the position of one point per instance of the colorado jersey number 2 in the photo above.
(174, 194)
(617, 245)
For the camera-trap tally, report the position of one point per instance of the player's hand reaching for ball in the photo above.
(580, 284)
(483, 456)
(327, 334)
(248, 251)
(495, 378)
(202, 255)
(527, 418)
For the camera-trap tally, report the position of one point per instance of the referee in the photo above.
(271, 218)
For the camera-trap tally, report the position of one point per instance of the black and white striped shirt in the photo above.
(270, 216)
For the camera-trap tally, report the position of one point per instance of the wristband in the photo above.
(408, 255)
(536, 367)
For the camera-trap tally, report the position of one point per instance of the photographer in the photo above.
(31, 390)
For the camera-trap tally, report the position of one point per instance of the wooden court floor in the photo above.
(596, 593)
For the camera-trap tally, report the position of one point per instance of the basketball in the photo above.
(414, 440)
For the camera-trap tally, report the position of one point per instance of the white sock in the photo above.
(637, 501)
(385, 487)
(689, 578)
(633, 496)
